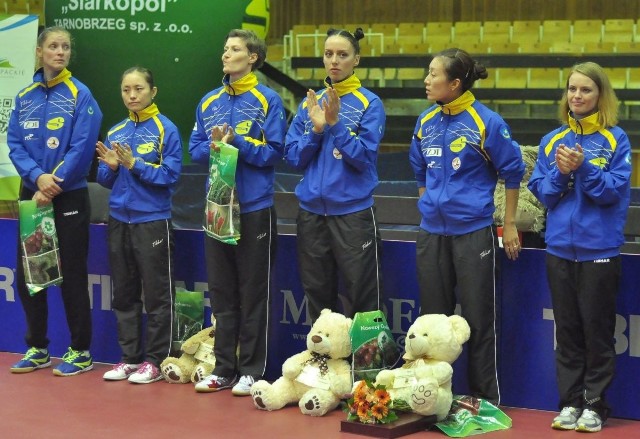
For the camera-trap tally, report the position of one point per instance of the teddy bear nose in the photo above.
(316, 339)
(412, 336)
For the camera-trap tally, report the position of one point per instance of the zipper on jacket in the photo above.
(578, 140)
(444, 118)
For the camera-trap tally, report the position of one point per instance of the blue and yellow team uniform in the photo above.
(458, 152)
(53, 130)
(587, 208)
(144, 193)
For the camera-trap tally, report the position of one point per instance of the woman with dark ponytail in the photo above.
(459, 150)
(334, 139)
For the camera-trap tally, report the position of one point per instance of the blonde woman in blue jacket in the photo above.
(582, 176)
(459, 150)
(140, 162)
(51, 136)
(334, 139)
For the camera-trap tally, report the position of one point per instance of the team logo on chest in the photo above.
(458, 144)
(53, 142)
(337, 154)
(455, 163)
(56, 123)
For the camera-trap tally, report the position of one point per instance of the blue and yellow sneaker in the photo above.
(34, 359)
(73, 363)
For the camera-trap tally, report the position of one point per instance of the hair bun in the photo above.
(358, 34)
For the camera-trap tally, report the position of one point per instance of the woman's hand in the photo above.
(107, 156)
(511, 241)
(124, 154)
(569, 159)
(316, 113)
(331, 107)
(223, 134)
(41, 199)
(48, 185)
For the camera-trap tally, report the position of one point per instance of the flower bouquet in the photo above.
(372, 412)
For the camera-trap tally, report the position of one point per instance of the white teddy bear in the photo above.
(433, 342)
(317, 378)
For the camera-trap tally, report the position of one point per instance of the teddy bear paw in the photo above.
(172, 373)
(257, 399)
(423, 396)
(199, 374)
(312, 406)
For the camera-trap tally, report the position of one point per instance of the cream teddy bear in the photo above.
(317, 378)
(196, 361)
(433, 342)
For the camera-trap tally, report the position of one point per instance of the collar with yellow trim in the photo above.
(61, 77)
(586, 125)
(459, 104)
(144, 114)
(240, 86)
(345, 86)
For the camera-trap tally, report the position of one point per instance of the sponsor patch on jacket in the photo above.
(505, 133)
(433, 152)
(455, 163)
(31, 124)
(458, 144)
(337, 154)
(56, 123)
(145, 148)
(243, 127)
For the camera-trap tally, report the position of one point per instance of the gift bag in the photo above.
(372, 345)
(470, 416)
(222, 209)
(189, 316)
(39, 246)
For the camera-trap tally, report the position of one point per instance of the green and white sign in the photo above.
(181, 42)
(17, 62)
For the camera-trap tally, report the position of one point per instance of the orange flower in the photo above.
(382, 396)
(363, 410)
(379, 411)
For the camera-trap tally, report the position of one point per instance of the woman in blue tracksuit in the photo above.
(140, 162)
(459, 150)
(52, 132)
(582, 177)
(334, 139)
(249, 116)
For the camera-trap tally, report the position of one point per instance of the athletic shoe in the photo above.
(73, 363)
(567, 419)
(120, 371)
(34, 359)
(147, 373)
(243, 387)
(589, 421)
(213, 383)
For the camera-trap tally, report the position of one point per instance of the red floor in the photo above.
(40, 405)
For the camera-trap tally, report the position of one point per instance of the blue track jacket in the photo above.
(458, 152)
(339, 165)
(587, 208)
(53, 129)
(144, 192)
(257, 116)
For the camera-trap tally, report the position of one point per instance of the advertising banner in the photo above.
(18, 35)
(526, 362)
(180, 41)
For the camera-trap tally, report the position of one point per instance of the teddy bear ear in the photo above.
(325, 311)
(460, 327)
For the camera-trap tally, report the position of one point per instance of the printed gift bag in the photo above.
(222, 210)
(39, 246)
(470, 416)
(189, 316)
(373, 346)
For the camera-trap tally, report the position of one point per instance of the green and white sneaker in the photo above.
(589, 421)
(567, 419)
(34, 359)
(73, 363)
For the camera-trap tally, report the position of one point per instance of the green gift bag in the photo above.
(470, 416)
(189, 316)
(222, 210)
(39, 246)
(372, 345)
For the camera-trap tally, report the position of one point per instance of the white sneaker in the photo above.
(120, 371)
(243, 388)
(147, 373)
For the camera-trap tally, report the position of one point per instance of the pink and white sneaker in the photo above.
(120, 371)
(147, 373)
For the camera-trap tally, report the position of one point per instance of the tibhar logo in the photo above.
(624, 342)
(366, 244)
(157, 242)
